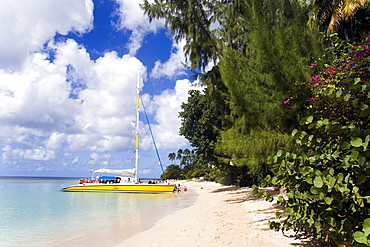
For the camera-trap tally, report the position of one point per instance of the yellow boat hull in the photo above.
(122, 188)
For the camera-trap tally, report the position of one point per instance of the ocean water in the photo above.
(34, 213)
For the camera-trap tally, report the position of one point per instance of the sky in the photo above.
(68, 73)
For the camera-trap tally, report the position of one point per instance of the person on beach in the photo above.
(178, 187)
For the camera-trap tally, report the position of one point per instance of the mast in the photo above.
(137, 124)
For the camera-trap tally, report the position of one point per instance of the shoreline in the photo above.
(134, 222)
(222, 215)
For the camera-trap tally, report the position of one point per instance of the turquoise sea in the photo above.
(34, 213)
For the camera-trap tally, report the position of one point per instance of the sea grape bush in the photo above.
(328, 184)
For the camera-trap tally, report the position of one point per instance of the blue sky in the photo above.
(68, 72)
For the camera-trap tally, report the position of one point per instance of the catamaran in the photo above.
(122, 180)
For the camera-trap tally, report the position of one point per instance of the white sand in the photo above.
(222, 216)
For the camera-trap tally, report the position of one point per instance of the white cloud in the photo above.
(167, 107)
(174, 66)
(95, 158)
(132, 18)
(37, 100)
(39, 153)
(55, 141)
(75, 160)
(26, 25)
(58, 104)
(35, 97)
(41, 168)
(145, 172)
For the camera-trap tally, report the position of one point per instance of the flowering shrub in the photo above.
(328, 185)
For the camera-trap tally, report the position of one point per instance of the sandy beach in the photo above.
(221, 216)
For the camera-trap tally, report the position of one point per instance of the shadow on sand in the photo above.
(240, 195)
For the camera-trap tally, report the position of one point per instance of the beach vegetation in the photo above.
(327, 184)
(286, 103)
(239, 118)
(173, 172)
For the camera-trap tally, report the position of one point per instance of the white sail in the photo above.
(126, 172)
(129, 172)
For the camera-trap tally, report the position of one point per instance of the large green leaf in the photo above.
(314, 190)
(308, 180)
(361, 160)
(346, 225)
(366, 226)
(360, 237)
(312, 125)
(344, 145)
(317, 182)
(328, 200)
(365, 112)
(303, 121)
(354, 154)
(356, 80)
(339, 93)
(289, 210)
(309, 119)
(356, 142)
(306, 170)
(347, 80)
(354, 87)
(347, 97)
(330, 181)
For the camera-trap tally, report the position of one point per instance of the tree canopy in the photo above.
(280, 87)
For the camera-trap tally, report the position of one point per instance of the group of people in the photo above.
(84, 181)
(156, 182)
(100, 181)
(179, 189)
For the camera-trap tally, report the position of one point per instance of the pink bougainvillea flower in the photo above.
(314, 78)
(330, 71)
(312, 100)
(286, 102)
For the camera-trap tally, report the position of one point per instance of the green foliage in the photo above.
(190, 166)
(363, 236)
(258, 74)
(349, 18)
(200, 124)
(197, 172)
(173, 172)
(251, 150)
(192, 20)
(328, 187)
(262, 48)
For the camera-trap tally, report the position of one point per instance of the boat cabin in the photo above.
(109, 180)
